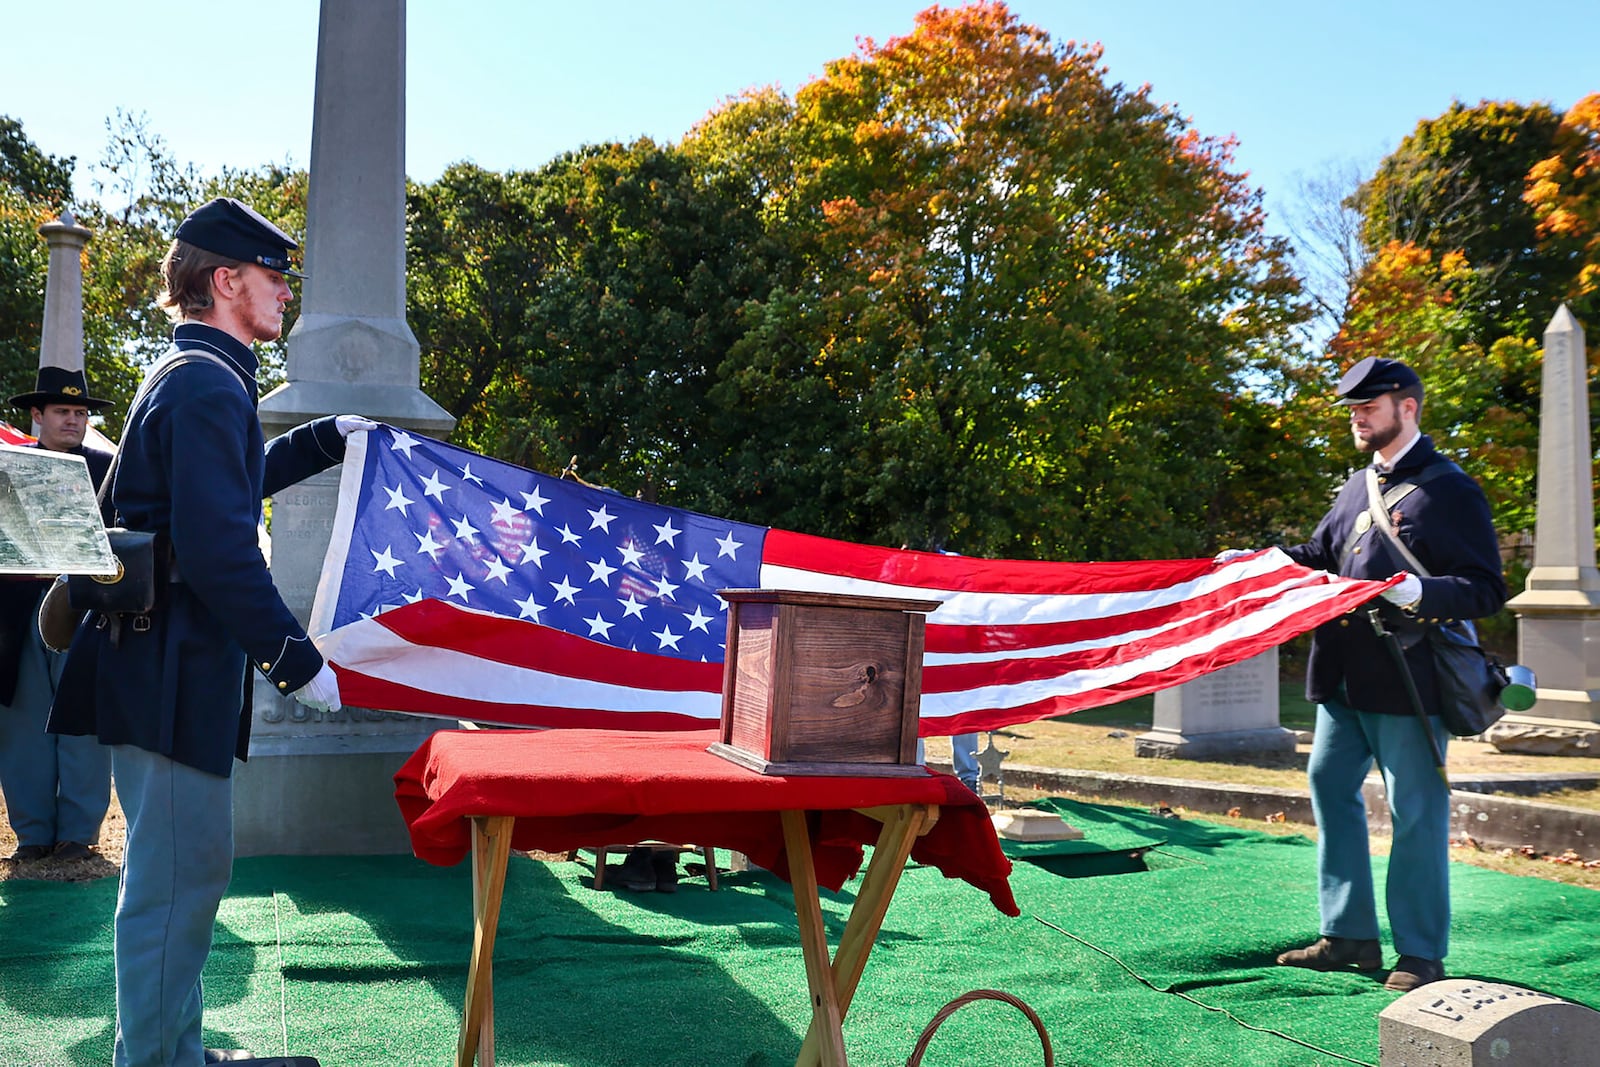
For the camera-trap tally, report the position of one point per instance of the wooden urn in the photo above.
(822, 683)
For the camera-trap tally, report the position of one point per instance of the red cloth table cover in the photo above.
(572, 788)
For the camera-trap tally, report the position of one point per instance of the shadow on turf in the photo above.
(568, 980)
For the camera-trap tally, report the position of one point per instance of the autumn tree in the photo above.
(1034, 304)
(1409, 306)
(1563, 191)
(1455, 185)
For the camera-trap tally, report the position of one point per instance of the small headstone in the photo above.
(1225, 714)
(1462, 1022)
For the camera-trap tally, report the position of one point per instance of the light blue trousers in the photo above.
(56, 788)
(964, 759)
(1417, 892)
(175, 869)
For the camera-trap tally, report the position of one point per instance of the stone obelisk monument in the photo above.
(1559, 611)
(322, 783)
(61, 339)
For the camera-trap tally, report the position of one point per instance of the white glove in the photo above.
(1228, 554)
(322, 692)
(1409, 591)
(349, 424)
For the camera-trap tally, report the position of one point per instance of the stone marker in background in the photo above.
(61, 338)
(315, 782)
(1559, 611)
(1461, 1022)
(1225, 714)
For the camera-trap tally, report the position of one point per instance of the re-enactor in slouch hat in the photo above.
(57, 789)
(165, 689)
(1365, 716)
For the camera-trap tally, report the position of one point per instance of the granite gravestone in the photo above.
(320, 782)
(1225, 714)
(1461, 1022)
(61, 338)
(1559, 611)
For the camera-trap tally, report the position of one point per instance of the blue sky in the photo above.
(511, 83)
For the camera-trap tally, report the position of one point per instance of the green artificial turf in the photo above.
(362, 960)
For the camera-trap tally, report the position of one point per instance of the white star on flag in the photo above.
(535, 501)
(426, 543)
(532, 553)
(432, 486)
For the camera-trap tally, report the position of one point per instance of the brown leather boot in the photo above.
(1335, 954)
(1413, 971)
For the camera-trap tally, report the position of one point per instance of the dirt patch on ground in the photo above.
(105, 862)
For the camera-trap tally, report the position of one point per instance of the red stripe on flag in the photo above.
(521, 643)
(1015, 636)
(935, 570)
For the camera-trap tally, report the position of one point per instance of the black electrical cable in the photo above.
(1199, 1004)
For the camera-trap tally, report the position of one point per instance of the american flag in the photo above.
(464, 587)
(10, 435)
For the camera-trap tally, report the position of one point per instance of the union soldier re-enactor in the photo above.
(166, 690)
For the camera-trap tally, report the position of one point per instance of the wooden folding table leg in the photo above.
(826, 1018)
(902, 825)
(491, 848)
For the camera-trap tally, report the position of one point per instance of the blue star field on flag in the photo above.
(441, 522)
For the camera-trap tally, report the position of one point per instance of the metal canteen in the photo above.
(1522, 689)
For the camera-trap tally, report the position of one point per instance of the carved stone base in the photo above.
(1542, 738)
(1221, 744)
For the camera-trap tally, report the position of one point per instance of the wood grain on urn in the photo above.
(821, 683)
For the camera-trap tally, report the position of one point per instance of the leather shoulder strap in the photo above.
(157, 372)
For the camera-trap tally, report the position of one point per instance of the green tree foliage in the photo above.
(26, 170)
(1456, 184)
(583, 311)
(1033, 307)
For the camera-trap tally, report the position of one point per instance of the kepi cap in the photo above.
(234, 230)
(58, 385)
(1373, 377)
